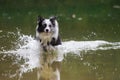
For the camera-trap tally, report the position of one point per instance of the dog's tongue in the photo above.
(48, 34)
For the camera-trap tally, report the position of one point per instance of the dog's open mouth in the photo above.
(45, 35)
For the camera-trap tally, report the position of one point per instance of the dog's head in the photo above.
(47, 30)
(46, 25)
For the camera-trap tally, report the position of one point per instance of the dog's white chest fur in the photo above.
(45, 38)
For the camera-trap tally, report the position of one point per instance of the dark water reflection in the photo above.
(82, 20)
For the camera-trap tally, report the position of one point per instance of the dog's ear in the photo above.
(40, 19)
(52, 19)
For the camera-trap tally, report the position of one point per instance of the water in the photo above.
(90, 32)
(26, 52)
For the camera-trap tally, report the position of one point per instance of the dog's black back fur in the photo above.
(55, 42)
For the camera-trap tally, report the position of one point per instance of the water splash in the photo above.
(28, 48)
(77, 46)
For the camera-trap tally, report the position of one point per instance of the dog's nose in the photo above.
(47, 30)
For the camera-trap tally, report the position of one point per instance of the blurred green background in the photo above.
(78, 19)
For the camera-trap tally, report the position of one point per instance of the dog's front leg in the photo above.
(38, 73)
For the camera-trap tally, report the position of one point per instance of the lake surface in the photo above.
(90, 32)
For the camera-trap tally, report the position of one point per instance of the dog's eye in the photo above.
(50, 25)
(44, 25)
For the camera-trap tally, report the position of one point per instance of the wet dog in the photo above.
(47, 32)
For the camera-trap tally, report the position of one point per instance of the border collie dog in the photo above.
(47, 31)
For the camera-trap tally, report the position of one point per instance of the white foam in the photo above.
(77, 46)
(28, 48)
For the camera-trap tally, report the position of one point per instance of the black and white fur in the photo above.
(47, 31)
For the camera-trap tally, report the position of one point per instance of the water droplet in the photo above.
(80, 18)
(73, 16)
(1, 31)
(9, 17)
(116, 6)
(29, 13)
